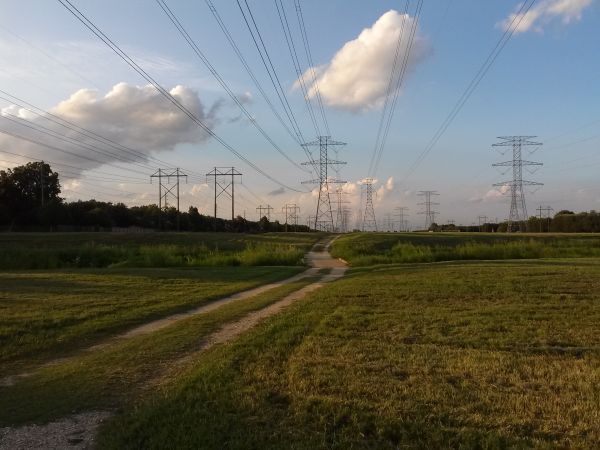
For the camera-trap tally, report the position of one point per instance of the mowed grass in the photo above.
(451, 355)
(364, 249)
(90, 250)
(122, 370)
(44, 314)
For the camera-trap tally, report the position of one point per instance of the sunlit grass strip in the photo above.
(370, 249)
(449, 356)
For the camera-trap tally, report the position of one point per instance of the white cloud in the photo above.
(544, 12)
(357, 77)
(137, 117)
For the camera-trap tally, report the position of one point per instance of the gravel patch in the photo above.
(74, 432)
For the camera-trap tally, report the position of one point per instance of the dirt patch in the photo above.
(74, 432)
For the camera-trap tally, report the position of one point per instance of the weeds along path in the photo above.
(79, 430)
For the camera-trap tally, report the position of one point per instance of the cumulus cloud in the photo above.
(492, 195)
(357, 77)
(137, 117)
(544, 12)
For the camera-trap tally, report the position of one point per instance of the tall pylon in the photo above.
(400, 214)
(518, 208)
(339, 208)
(369, 223)
(429, 212)
(324, 214)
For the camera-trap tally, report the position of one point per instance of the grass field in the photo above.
(124, 369)
(422, 345)
(44, 314)
(365, 249)
(81, 250)
(456, 355)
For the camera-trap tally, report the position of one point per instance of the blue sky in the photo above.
(546, 82)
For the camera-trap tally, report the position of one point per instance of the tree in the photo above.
(25, 189)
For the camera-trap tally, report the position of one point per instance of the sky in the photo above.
(544, 83)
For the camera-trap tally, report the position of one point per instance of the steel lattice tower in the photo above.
(324, 213)
(369, 223)
(518, 208)
(429, 212)
(400, 213)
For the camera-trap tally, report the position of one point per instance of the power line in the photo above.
(270, 68)
(46, 115)
(311, 66)
(33, 141)
(79, 143)
(485, 67)
(296, 135)
(399, 82)
(296, 61)
(125, 57)
(177, 23)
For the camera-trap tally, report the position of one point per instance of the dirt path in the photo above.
(78, 431)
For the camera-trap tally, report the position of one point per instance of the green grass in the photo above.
(44, 314)
(476, 355)
(364, 249)
(81, 250)
(122, 370)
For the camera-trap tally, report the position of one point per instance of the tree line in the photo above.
(563, 221)
(30, 200)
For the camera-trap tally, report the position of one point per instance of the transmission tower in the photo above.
(291, 215)
(267, 212)
(518, 209)
(369, 223)
(547, 210)
(400, 214)
(339, 208)
(224, 178)
(345, 220)
(324, 214)
(429, 212)
(167, 188)
(482, 221)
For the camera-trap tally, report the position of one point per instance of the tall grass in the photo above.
(365, 250)
(92, 255)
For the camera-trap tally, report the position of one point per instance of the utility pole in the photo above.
(291, 212)
(168, 189)
(518, 208)
(42, 181)
(369, 223)
(400, 213)
(267, 209)
(547, 210)
(429, 212)
(224, 184)
(324, 214)
(482, 221)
